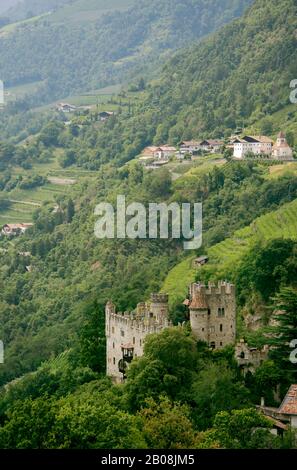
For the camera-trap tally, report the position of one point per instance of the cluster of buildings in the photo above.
(70, 108)
(162, 154)
(241, 147)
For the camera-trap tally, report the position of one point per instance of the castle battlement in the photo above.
(212, 310)
(221, 288)
(126, 331)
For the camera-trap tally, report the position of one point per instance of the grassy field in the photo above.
(88, 10)
(19, 92)
(227, 254)
(9, 28)
(23, 202)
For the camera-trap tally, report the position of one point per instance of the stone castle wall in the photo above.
(130, 329)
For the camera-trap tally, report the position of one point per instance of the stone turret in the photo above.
(213, 313)
(159, 307)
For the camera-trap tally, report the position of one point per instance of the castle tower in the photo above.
(282, 150)
(281, 139)
(213, 313)
(159, 307)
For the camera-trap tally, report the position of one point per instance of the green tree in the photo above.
(239, 429)
(167, 367)
(167, 425)
(284, 332)
(92, 336)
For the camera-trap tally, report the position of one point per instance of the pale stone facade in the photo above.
(213, 313)
(249, 358)
(126, 332)
(282, 150)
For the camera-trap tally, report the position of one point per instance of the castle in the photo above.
(212, 312)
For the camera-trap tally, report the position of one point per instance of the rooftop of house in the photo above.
(254, 139)
(289, 404)
(189, 143)
(17, 226)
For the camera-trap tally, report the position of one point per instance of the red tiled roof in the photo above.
(199, 301)
(289, 404)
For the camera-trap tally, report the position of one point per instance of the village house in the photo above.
(190, 146)
(104, 115)
(211, 146)
(257, 145)
(11, 230)
(66, 107)
(286, 414)
(200, 261)
(281, 149)
(163, 152)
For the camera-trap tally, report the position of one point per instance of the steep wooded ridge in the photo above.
(87, 46)
(56, 278)
(236, 77)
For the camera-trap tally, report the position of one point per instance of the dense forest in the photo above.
(56, 278)
(70, 56)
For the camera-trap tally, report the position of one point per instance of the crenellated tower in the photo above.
(212, 311)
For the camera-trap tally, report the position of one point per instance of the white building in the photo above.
(281, 149)
(257, 145)
(164, 152)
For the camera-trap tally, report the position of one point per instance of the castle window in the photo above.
(213, 345)
(140, 342)
(221, 344)
(114, 360)
(211, 329)
(133, 339)
(113, 345)
(221, 327)
(122, 333)
(202, 329)
(208, 311)
(242, 355)
(221, 312)
(112, 329)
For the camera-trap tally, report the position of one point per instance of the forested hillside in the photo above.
(240, 76)
(93, 45)
(56, 278)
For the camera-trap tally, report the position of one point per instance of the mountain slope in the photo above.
(223, 256)
(87, 52)
(236, 77)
